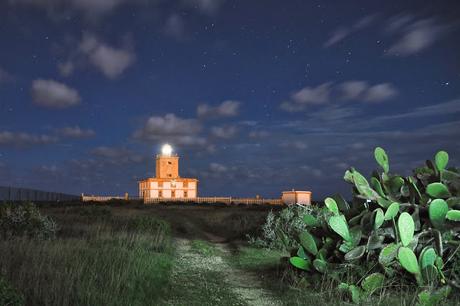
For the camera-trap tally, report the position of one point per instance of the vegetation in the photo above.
(9, 296)
(89, 261)
(25, 221)
(396, 230)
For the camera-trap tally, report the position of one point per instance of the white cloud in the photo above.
(380, 93)
(313, 95)
(343, 32)
(416, 36)
(338, 35)
(352, 90)
(227, 108)
(52, 94)
(328, 93)
(111, 61)
(21, 139)
(225, 132)
(171, 129)
(76, 132)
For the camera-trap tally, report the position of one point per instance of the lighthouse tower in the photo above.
(167, 184)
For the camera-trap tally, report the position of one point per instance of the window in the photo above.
(173, 194)
(160, 184)
(169, 163)
(185, 184)
(185, 194)
(160, 194)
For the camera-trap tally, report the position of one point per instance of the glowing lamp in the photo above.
(166, 149)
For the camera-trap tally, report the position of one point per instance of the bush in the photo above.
(25, 220)
(281, 229)
(405, 229)
(8, 295)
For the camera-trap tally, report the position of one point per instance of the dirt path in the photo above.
(207, 279)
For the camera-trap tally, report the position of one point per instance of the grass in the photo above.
(94, 261)
(203, 247)
(309, 291)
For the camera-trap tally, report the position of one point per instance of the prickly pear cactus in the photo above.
(409, 226)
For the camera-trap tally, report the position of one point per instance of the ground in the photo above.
(159, 255)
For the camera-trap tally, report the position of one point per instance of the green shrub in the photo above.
(281, 229)
(25, 220)
(8, 295)
(404, 228)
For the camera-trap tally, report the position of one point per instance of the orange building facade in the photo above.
(167, 184)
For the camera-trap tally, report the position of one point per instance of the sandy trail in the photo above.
(244, 285)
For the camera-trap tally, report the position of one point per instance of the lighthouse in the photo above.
(167, 183)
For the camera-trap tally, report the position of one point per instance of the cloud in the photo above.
(66, 68)
(117, 155)
(5, 76)
(380, 92)
(415, 36)
(333, 113)
(175, 27)
(337, 36)
(172, 129)
(111, 61)
(294, 144)
(258, 134)
(328, 93)
(209, 7)
(216, 167)
(227, 108)
(57, 9)
(225, 132)
(352, 90)
(21, 139)
(52, 94)
(343, 32)
(445, 108)
(76, 132)
(313, 95)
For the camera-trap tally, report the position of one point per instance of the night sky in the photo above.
(256, 97)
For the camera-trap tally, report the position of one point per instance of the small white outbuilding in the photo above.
(296, 197)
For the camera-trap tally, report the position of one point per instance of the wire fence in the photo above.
(25, 194)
